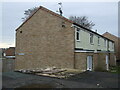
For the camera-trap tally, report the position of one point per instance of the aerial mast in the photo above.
(60, 8)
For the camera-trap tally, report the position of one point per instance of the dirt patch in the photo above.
(53, 72)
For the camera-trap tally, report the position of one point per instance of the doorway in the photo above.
(89, 63)
(107, 62)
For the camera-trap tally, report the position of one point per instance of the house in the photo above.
(9, 52)
(117, 44)
(47, 39)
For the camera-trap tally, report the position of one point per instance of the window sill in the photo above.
(91, 43)
(78, 40)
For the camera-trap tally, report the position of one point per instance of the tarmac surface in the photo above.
(82, 80)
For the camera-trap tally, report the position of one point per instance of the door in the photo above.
(89, 63)
(107, 62)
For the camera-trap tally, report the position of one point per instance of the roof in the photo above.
(57, 15)
(92, 31)
(10, 51)
(49, 11)
(107, 33)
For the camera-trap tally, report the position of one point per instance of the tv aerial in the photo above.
(60, 8)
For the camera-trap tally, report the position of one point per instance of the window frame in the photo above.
(98, 40)
(105, 42)
(77, 32)
(91, 38)
(112, 45)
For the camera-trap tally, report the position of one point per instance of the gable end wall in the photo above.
(44, 43)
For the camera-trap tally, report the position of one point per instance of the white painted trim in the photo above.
(82, 51)
(92, 51)
(75, 26)
(107, 62)
(10, 56)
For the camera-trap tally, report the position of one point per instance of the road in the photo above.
(82, 80)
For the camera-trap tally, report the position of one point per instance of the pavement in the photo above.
(82, 80)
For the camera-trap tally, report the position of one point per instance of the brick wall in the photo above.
(112, 59)
(117, 43)
(44, 42)
(99, 60)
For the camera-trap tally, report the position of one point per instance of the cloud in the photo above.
(6, 45)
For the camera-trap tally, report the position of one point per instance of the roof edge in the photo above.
(47, 10)
(93, 31)
(62, 17)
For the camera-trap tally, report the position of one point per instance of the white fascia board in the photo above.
(10, 56)
(73, 25)
(82, 51)
(93, 51)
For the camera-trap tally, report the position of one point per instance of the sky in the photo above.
(103, 14)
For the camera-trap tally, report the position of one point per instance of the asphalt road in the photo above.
(83, 80)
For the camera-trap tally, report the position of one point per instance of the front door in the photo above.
(107, 62)
(89, 63)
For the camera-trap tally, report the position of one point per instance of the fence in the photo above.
(8, 65)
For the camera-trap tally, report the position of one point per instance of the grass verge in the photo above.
(115, 69)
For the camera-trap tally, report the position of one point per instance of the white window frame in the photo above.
(92, 38)
(77, 32)
(98, 40)
(112, 45)
(105, 42)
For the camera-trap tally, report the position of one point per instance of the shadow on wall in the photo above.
(118, 62)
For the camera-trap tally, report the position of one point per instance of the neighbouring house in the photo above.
(117, 44)
(9, 52)
(47, 39)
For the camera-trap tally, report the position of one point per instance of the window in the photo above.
(98, 40)
(105, 42)
(108, 45)
(77, 34)
(112, 45)
(91, 38)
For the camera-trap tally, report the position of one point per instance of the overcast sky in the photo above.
(103, 14)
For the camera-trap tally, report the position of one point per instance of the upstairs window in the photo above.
(91, 38)
(105, 42)
(77, 34)
(112, 45)
(98, 40)
(108, 45)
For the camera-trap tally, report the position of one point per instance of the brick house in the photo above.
(9, 52)
(48, 39)
(117, 43)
